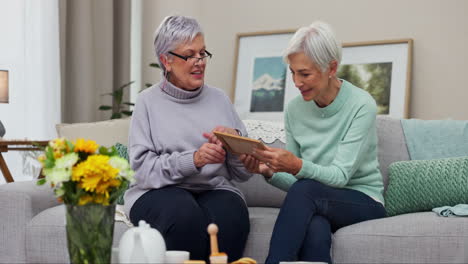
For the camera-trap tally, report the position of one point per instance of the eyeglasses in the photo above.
(193, 59)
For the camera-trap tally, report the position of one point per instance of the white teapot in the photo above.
(142, 244)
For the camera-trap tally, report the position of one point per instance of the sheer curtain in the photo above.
(95, 55)
(32, 57)
(41, 68)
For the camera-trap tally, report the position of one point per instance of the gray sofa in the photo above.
(32, 222)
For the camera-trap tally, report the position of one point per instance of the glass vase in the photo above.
(90, 230)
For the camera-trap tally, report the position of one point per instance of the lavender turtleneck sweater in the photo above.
(166, 129)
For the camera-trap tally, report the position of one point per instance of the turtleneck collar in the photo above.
(176, 92)
(336, 105)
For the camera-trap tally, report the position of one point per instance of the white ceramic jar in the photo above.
(142, 244)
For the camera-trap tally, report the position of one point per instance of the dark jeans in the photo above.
(182, 217)
(311, 212)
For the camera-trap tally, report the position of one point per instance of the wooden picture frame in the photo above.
(238, 144)
(258, 58)
(253, 51)
(382, 68)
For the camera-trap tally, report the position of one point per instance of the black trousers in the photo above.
(182, 217)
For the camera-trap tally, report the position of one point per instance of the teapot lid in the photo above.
(143, 224)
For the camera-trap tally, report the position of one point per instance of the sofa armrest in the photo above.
(19, 203)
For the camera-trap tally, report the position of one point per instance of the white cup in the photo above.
(177, 256)
(302, 262)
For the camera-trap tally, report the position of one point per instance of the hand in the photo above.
(212, 137)
(255, 166)
(208, 153)
(279, 160)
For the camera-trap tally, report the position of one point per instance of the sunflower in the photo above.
(88, 146)
(96, 175)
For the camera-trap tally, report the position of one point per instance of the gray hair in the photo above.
(318, 42)
(173, 31)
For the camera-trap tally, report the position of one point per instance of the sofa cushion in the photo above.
(409, 238)
(391, 144)
(105, 133)
(122, 150)
(421, 185)
(258, 192)
(50, 224)
(262, 221)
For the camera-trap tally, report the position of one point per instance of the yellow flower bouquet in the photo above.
(83, 172)
(89, 179)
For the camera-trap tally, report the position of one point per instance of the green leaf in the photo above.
(70, 145)
(116, 115)
(118, 95)
(49, 164)
(128, 103)
(127, 113)
(41, 181)
(125, 85)
(113, 151)
(148, 85)
(103, 151)
(155, 65)
(105, 107)
(49, 153)
(50, 160)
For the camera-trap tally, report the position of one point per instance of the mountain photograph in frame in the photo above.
(4, 97)
(268, 86)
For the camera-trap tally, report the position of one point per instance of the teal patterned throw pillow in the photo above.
(420, 185)
(123, 153)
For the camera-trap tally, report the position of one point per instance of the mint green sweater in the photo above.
(337, 143)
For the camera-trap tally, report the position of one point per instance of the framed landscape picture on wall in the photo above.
(382, 68)
(263, 86)
(262, 83)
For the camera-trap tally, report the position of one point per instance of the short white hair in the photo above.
(318, 42)
(173, 31)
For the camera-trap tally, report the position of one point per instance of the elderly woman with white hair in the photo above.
(329, 168)
(183, 175)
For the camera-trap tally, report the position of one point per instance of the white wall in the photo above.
(29, 52)
(440, 56)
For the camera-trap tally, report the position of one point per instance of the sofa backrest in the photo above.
(259, 193)
(105, 133)
(391, 144)
(391, 148)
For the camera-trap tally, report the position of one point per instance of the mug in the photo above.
(177, 256)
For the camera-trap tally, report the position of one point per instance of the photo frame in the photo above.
(262, 85)
(382, 68)
(238, 144)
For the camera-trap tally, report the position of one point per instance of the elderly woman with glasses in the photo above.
(183, 175)
(329, 168)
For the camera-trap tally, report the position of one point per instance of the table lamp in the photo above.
(4, 86)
